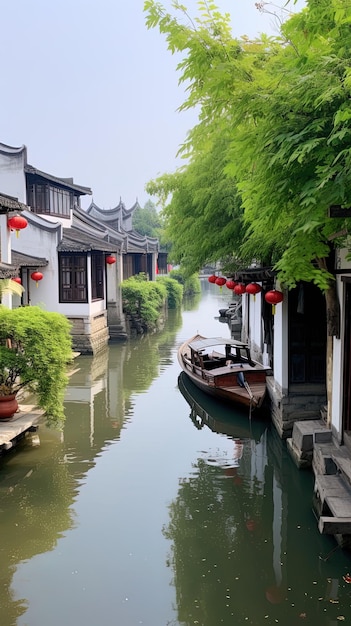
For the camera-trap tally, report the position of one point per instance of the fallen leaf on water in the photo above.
(347, 578)
(302, 615)
(341, 618)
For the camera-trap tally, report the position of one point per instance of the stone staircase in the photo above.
(312, 445)
(117, 332)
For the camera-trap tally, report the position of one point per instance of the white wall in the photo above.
(338, 351)
(255, 320)
(39, 242)
(12, 177)
(280, 355)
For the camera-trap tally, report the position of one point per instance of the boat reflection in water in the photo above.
(217, 416)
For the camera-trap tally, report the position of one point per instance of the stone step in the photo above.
(334, 495)
(334, 525)
(323, 462)
(117, 332)
(307, 433)
(342, 461)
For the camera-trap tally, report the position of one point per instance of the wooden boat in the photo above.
(220, 417)
(223, 368)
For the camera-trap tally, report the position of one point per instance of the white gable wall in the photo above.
(12, 176)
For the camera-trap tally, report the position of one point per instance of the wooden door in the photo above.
(307, 335)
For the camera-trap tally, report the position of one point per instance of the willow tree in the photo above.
(283, 105)
(204, 215)
(202, 204)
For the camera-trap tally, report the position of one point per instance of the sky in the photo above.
(94, 94)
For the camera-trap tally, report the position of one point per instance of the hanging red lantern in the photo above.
(220, 281)
(17, 279)
(239, 289)
(231, 284)
(274, 297)
(212, 279)
(17, 222)
(253, 288)
(110, 260)
(36, 276)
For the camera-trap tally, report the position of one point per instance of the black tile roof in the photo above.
(9, 203)
(63, 182)
(75, 240)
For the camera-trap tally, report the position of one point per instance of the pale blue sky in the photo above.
(94, 94)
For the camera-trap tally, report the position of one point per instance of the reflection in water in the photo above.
(219, 417)
(136, 514)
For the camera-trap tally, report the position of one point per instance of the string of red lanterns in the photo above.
(273, 297)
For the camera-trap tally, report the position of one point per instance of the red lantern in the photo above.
(212, 279)
(239, 289)
(110, 260)
(220, 281)
(36, 276)
(253, 288)
(231, 284)
(17, 280)
(17, 222)
(274, 297)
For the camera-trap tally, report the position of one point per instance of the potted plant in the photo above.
(35, 349)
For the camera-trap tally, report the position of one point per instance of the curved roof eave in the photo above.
(68, 183)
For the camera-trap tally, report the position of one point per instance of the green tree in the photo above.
(203, 217)
(283, 105)
(147, 221)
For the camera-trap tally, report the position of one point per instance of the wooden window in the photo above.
(49, 199)
(97, 275)
(73, 278)
(38, 198)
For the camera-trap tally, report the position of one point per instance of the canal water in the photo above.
(157, 506)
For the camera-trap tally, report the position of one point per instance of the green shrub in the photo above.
(35, 348)
(143, 298)
(174, 291)
(191, 284)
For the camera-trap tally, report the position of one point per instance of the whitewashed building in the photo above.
(67, 247)
(291, 339)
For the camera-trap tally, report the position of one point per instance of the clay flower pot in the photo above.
(8, 406)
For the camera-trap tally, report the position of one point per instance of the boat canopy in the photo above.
(202, 344)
